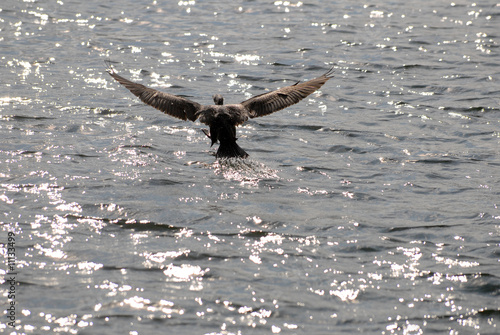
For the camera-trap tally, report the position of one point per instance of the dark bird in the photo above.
(223, 119)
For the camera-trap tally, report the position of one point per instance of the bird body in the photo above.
(223, 119)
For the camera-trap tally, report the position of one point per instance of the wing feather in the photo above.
(274, 101)
(170, 104)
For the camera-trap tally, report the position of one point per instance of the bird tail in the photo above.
(230, 149)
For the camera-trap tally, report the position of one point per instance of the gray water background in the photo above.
(370, 207)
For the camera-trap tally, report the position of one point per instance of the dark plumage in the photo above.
(223, 119)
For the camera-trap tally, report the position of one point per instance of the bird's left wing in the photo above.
(170, 104)
(274, 101)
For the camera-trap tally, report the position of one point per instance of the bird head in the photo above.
(218, 99)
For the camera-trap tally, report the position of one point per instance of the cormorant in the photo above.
(223, 119)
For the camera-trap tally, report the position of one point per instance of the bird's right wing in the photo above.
(274, 101)
(170, 104)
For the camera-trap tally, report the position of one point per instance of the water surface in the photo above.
(370, 207)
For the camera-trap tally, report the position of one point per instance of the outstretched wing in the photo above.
(170, 104)
(274, 101)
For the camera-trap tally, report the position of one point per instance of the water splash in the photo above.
(246, 171)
